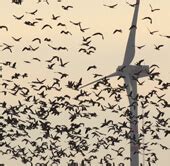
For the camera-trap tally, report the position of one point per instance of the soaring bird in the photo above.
(79, 25)
(7, 48)
(18, 17)
(111, 6)
(62, 48)
(30, 23)
(140, 47)
(92, 47)
(98, 33)
(26, 48)
(17, 39)
(37, 59)
(132, 5)
(63, 64)
(117, 30)
(167, 36)
(91, 67)
(47, 25)
(152, 32)
(76, 23)
(86, 43)
(54, 48)
(18, 2)
(66, 32)
(45, 1)
(153, 10)
(51, 66)
(83, 49)
(47, 39)
(54, 57)
(97, 75)
(63, 75)
(85, 39)
(67, 7)
(4, 27)
(61, 24)
(154, 65)
(32, 13)
(55, 17)
(132, 27)
(37, 39)
(148, 18)
(34, 49)
(39, 19)
(83, 29)
(139, 63)
(158, 47)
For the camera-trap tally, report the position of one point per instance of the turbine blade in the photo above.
(108, 76)
(130, 47)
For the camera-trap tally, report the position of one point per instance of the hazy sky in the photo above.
(98, 18)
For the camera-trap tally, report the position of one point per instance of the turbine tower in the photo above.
(128, 72)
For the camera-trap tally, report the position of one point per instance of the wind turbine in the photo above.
(128, 72)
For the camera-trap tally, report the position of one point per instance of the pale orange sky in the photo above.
(97, 18)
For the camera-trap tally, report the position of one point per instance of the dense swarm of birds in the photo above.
(31, 129)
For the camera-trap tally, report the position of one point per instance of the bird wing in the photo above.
(46, 25)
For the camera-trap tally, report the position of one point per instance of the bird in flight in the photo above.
(7, 47)
(67, 7)
(54, 57)
(61, 24)
(54, 48)
(140, 47)
(63, 75)
(152, 32)
(98, 33)
(4, 27)
(50, 66)
(63, 64)
(148, 18)
(32, 13)
(66, 32)
(158, 47)
(132, 27)
(18, 17)
(30, 23)
(46, 25)
(111, 6)
(132, 5)
(153, 10)
(62, 48)
(167, 36)
(16, 39)
(37, 39)
(91, 67)
(117, 30)
(55, 17)
(139, 63)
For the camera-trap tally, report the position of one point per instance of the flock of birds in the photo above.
(27, 132)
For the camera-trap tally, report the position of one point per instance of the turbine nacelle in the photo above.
(133, 70)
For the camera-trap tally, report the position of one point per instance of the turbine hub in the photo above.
(133, 70)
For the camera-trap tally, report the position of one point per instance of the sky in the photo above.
(97, 17)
